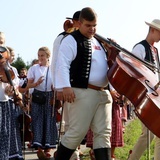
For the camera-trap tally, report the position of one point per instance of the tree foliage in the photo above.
(19, 64)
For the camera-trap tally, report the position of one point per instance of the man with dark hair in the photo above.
(81, 74)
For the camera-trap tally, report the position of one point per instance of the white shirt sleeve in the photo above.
(139, 51)
(111, 88)
(56, 45)
(67, 53)
(30, 74)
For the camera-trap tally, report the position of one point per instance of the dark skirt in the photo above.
(43, 124)
(5, 119)
(15, 139)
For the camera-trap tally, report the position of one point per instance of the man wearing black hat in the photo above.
(74, 22)
(75, 16)
(70, 25)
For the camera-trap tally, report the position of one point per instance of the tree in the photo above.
(19, 64)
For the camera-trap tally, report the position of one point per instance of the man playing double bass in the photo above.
(146, 51)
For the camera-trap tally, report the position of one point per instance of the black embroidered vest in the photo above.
(149, 56)
(80, 66)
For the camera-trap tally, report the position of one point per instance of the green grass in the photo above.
(131, 135)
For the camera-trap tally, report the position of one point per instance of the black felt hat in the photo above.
(75, 16)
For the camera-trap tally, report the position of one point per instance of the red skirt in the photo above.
(117, 133)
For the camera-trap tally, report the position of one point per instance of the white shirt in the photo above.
(67, 53)
(3, 96)
(56, 45)
(139, 51)
(22, 81)
(35, 72)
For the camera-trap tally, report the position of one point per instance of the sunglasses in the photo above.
(2, 50)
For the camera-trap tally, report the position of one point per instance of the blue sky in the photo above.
(31, 24)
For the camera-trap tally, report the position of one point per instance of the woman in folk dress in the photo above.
(43, 120)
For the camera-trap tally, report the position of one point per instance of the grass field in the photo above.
(132, 133)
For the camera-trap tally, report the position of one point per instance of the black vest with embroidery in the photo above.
(80, 66)
(149, 56)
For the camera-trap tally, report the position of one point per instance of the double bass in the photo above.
(136, 80)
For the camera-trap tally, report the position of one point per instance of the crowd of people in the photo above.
(73, 84)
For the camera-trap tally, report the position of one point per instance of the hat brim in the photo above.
(68, 18)
(153, 26)
(72, 18)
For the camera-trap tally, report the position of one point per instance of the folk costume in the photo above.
(87, 76)
(10, 147)
(15, 138)
(149, 53)
(43, 122)
(68, 29)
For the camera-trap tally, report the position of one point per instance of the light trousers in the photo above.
(142, 144)
(91, 108)
(157, 149)
(65, 125)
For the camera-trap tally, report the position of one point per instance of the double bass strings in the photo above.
(117, 46)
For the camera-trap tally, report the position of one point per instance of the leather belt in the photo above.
(95, 87)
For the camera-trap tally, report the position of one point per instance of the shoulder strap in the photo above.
(46, 79)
